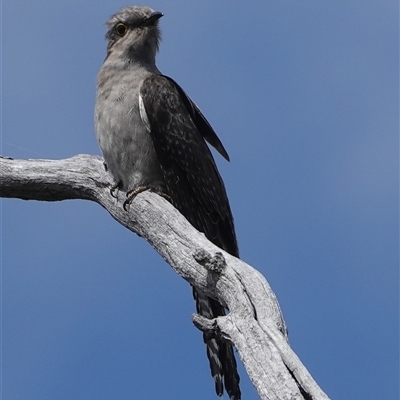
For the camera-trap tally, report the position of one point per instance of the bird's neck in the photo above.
(130, 62)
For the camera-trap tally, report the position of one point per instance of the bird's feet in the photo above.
(131, 194)
(115, 189)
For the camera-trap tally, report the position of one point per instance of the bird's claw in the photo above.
(131, 194)
(115, 189)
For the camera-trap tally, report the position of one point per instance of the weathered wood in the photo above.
(254, 324)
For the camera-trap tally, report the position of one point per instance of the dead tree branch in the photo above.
(254, 324)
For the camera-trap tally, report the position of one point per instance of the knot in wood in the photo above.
(216, 263)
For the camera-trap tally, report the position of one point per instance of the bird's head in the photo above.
(133, 34)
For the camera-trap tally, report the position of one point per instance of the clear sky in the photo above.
(304, 96)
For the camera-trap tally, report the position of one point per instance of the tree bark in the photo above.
(254, 324)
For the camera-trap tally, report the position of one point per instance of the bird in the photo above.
(153, 137)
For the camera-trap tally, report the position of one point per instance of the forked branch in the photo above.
(254, 324)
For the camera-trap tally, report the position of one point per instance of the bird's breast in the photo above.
(126, 144)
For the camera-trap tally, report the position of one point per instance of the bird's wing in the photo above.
(196, 189)
(193, 181)
(200, 121)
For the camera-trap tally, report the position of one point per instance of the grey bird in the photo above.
(153, 137)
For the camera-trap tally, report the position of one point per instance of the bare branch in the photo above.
(254, 325)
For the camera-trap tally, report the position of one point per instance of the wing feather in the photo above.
(179, 130)
(195, 185)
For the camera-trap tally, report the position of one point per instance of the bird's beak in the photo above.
(153, 18)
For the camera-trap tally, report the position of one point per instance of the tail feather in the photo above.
(220, 354)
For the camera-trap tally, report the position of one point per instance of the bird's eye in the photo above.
(121, 29)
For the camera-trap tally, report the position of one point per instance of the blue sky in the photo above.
(304, 96)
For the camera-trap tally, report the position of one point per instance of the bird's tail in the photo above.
(220, 353)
